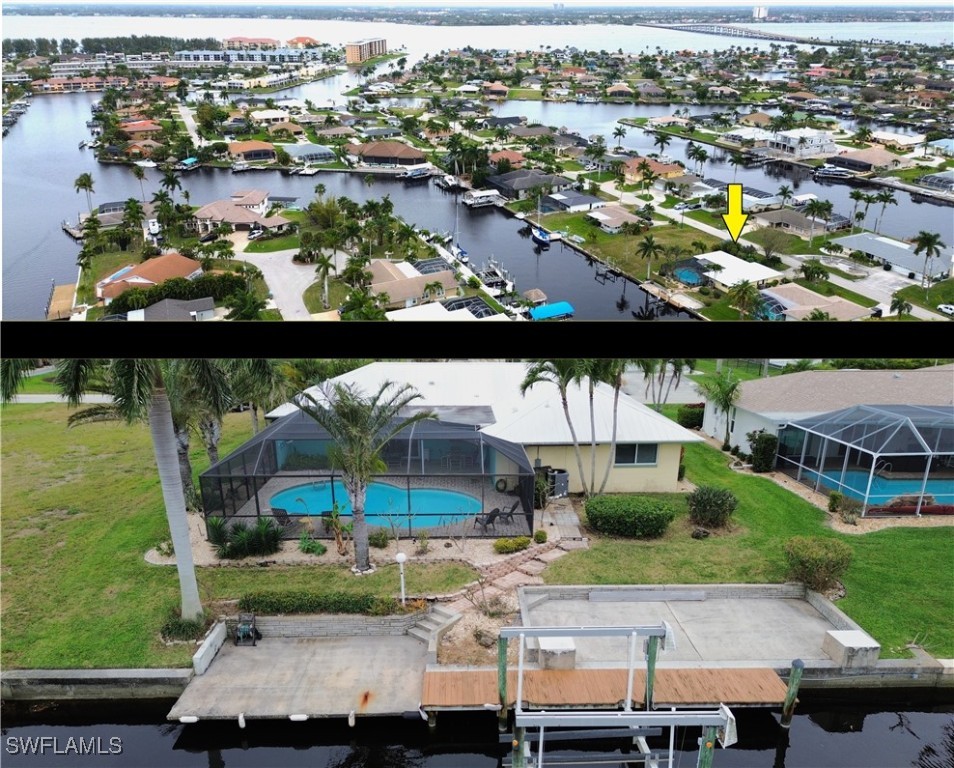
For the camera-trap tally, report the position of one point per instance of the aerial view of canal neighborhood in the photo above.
(534, 162)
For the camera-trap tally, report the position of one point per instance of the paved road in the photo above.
(190, 125)
(86, 399)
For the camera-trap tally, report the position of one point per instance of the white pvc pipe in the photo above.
(518, 707)
(631, 670)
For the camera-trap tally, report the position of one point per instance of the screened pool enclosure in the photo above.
(894, 459)
(438, 476)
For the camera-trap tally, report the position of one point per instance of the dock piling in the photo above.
(706, 747)
(652, 645)
(794, 678)
(502, 683)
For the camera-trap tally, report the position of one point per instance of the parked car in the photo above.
(255, 234)
(681, 206)
(208, 237)
(947, 309)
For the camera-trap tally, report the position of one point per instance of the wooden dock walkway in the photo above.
(60, 306)
(600, 688)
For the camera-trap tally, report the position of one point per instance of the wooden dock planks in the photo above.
(603, 688)
(61, 302)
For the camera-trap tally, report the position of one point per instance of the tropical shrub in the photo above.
(177, 628)
(628, 515)
(272, 603)
(311, 546)
(263, 538)
(540, 536)
(764, 446)
(379, 538)
(834, 501)
(509, 546)
(711, 507)
(690, 415)
(817, 562)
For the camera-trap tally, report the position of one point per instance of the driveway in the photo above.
(285, 279)
(186, 114)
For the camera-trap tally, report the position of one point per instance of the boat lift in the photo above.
(717, 724)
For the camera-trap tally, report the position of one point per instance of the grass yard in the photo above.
(41, 384)
(80, 509)
(271, 244)
(939, 293)
(789, 243)
(898, 586)
(337, 293)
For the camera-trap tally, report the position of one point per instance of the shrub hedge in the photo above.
(312, 602)
(509, 546)
(690, 416)
(764, 447)
(817, 562)
(540, 536)
(711, 507)
(628, 515)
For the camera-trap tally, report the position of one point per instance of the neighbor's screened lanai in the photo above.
(285, 472)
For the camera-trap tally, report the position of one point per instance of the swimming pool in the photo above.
(383, 504)
(688, 276)
(883, 489)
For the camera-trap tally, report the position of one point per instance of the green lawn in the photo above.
(41, 384)
(939, 293)
(103, 265)
(790, 244)
(898, 587)
(337, 293)
(271, 244)
(80, 508)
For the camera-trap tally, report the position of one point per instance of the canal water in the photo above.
(888, 730)
(41, 162)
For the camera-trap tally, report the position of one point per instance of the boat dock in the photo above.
(60, 304)
(72, 230)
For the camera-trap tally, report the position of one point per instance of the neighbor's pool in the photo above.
(883, 489)
(384, 503)
(688, 276)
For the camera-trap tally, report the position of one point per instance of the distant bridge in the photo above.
(728, 30)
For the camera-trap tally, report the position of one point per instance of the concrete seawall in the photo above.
(92, 684)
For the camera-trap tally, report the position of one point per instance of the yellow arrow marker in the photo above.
(734, 219)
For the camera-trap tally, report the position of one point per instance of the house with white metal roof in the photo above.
(900, 255)
(648, 444)
(726, 271)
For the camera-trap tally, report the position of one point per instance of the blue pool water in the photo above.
(384, 503)
(883, 489)
(688, 276)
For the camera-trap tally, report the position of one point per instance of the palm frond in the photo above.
(102, 412)
(134, 380)
(74, 377)
(13, 372)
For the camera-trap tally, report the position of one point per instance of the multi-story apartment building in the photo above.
(361, 50)
(249, 43)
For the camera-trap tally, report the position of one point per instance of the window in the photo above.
(636, 454)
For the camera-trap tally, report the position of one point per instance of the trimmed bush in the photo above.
(632, 516)
(177, 628)
(311, 546)
(263, 538)
(540, 536)
(271, 603)
(509, 546)
(764, 447)
(711, 507)
(379, 538)
(690, 416)
(817, 562)
(834, 501)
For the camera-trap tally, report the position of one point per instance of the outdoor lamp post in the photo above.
(401, 558)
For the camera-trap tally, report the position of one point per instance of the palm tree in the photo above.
(862, 135)
(619, 133)
(868, 200)
(139, 392)
(262, 383)
(723, 391)
(662, 141)
(814, 210)
(886, 198)
(324, 264)
(140, 173)
(360, 426)
(244, 305)
(84, 183)
(735, 160)
(857, 195)
(745, 297)
(133, 212)
(170, 182)
(702, 155)
(562, 373)
(648, 248)
(785, 192)
(928, 243)
(900, 306)
(611, 372)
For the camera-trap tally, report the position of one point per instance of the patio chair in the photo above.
(489, 519)
(281, 515)
(508, 514)
(245, 631)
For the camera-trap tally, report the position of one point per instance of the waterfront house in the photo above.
(139, 149)
(899, 255)
(149, 273)
(725, 271)
(405, 286)
(78, 84)
(495, 90)
(519, 185)
(756, 119)
(252, 150)
(619, 91)
(894, 140)
(802, 143)
(871, 159)
(310, 153)
(611, 218)
(648, 445)
(386, 153)
(175, 310)
(798, 223)
(141, 129)
(942, 147)
(749, 136)
(269, 116)
(650, 90)
(244, 211)
(722, 92)
(571, 202)
(490, 123)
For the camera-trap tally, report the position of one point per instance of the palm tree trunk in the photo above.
(592, 440)
(612, 453)
(576, 443)
(254, 410)
(185, 464)
(211, 430)
(362, 555)
(164, 445)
